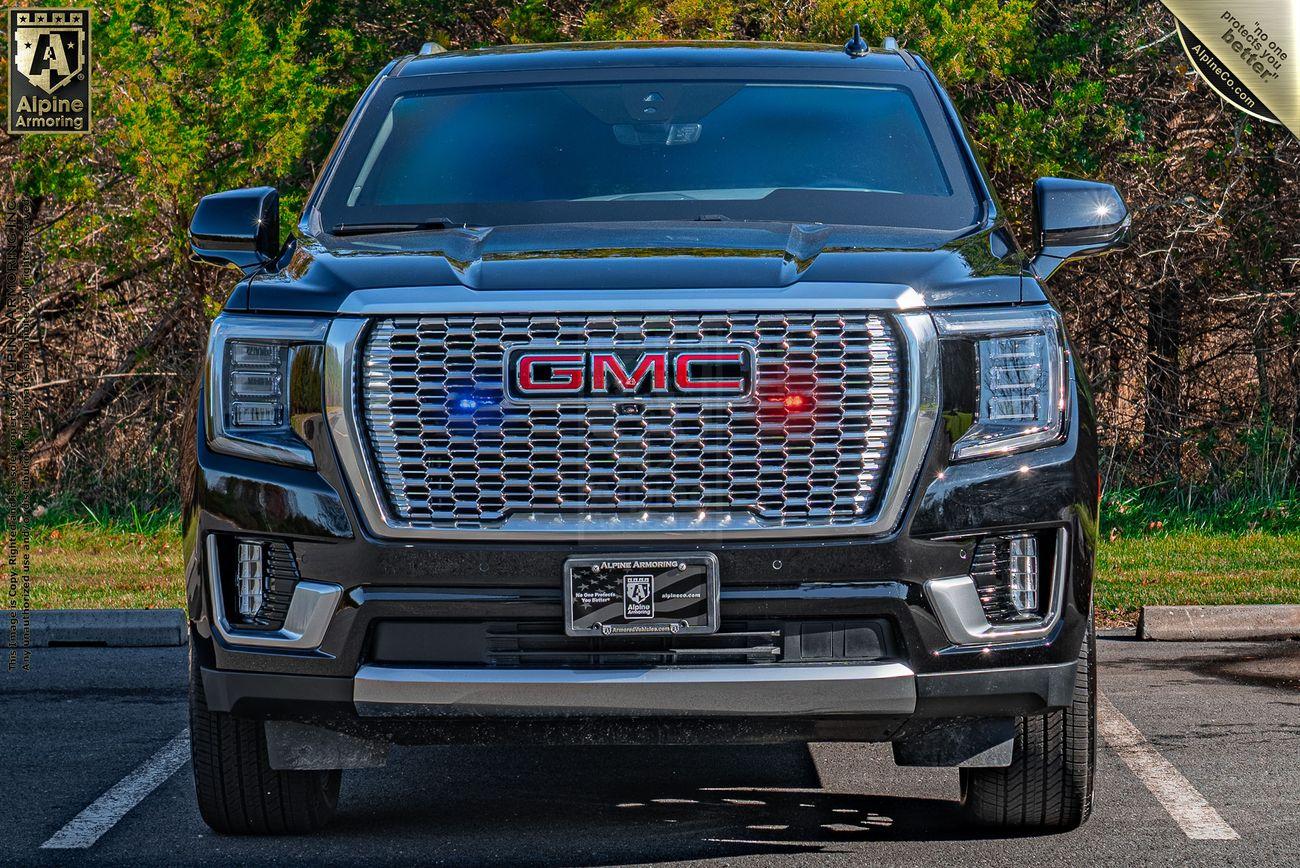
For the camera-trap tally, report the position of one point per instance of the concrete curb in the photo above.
(112, 628)
(1219, 623)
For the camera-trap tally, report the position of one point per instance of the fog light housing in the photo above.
(1007, 575)
(250, 579)
(1023, 573)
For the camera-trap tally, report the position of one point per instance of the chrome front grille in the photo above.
(450, 451)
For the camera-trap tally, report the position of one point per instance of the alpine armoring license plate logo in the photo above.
(722, 372)
(641, 595)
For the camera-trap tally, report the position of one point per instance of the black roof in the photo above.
(588, 55)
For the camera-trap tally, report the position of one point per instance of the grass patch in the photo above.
(1195, 568)
(1160, 509)
(87, 563)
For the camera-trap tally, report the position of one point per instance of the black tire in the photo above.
(238, 791)
(1049, 782)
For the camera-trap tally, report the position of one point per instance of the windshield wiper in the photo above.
(433, 224)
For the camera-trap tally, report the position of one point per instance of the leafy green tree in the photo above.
(191, 99)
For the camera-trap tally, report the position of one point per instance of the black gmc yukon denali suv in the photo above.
(638, 393)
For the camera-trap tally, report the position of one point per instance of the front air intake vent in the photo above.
(543, 644)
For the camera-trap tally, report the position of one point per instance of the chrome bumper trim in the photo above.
(310, 611)
(884, 689)
(956, 603)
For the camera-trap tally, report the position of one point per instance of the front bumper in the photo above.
(869, 701)
(954, 600)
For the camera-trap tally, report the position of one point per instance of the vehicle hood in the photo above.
(980, 268)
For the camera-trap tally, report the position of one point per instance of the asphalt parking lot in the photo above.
(1201, 764)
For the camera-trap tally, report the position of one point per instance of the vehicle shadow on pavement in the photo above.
(601, 805)
(1263, 664)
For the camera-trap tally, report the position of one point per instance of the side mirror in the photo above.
(237, 227)
(1074, 219)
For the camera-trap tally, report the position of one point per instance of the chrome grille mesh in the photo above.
(449, 452)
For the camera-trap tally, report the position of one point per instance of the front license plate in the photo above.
(641, 595)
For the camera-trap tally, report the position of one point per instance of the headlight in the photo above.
(261, 372)
(1022, 378)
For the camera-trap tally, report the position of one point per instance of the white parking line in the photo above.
(1188, 808)
(102, 814)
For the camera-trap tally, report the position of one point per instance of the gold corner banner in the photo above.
(1248, 51)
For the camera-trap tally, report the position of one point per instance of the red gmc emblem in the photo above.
(560, 372)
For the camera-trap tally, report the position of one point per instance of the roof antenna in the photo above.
(857, 46)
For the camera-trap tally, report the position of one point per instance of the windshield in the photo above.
(674, 150)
